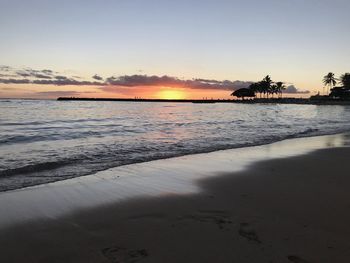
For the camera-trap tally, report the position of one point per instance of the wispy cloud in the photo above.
(10, 75)
(40, 74)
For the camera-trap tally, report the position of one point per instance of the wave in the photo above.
(102, 160)
(45, 142)
(33, 168)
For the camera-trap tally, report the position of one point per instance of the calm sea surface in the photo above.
(45, 141)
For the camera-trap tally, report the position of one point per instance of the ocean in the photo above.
(42, 141)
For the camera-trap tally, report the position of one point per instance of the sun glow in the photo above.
(168, 94)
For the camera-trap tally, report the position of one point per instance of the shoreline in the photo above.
(273, 203)
(208, 151)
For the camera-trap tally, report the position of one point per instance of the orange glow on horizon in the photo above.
(145, 92)
(171, 93)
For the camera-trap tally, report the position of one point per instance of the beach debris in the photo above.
(123, 255)
(246, 231)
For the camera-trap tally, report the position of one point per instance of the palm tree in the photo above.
(255, 87)
(260, 88)
(345, 80)
(274, 89)
(266, 85)
(280, 87)
(330, 81)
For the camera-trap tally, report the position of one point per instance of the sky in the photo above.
(168, 49)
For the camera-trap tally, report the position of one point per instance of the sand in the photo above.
(284, 202)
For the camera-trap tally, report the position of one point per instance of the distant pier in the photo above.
(209, 101)
(144, 100)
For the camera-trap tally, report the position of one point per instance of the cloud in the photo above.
(4, 68)
(32, 73)
(111, 84)
(10, 75)
(117, 84)
(59, 82)
(6, 75)
(47, 71)
(65, 82)
(142, 80)
(168, 81)
(23, 74)
(97, 77)
(61, 77)
(293, 90)
(41, 76)
(224, 85)
(14, 81)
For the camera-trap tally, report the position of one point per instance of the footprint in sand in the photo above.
(123, 255)
(246, 231)
(220, 218)
(296, 259)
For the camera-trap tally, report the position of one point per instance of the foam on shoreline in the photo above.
(174, 176)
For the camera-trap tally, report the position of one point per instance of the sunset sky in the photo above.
(168, 49)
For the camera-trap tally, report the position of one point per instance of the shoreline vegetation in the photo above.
(259, 92)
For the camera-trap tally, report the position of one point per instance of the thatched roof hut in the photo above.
(244, 92)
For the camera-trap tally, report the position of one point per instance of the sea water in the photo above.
(43, 141)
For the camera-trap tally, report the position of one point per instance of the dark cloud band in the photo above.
(112, 84)
(167, 81)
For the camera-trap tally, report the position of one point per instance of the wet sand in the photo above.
(284, 202)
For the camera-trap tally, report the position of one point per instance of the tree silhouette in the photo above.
(273, 89)
(256, 88)
(243, 92)
(280, 87)
(330, 81)
(345, 80)
(266, 85)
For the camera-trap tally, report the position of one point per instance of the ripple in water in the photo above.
(45, 141)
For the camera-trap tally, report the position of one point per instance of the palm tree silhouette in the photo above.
(273, 89)
(345, 80)
(330, 81)
(280, 87)
(266, 85)
(255, 87)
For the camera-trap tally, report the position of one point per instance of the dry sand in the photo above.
(287, 202)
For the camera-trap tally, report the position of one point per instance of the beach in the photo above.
(174, 131)
(283, 202)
